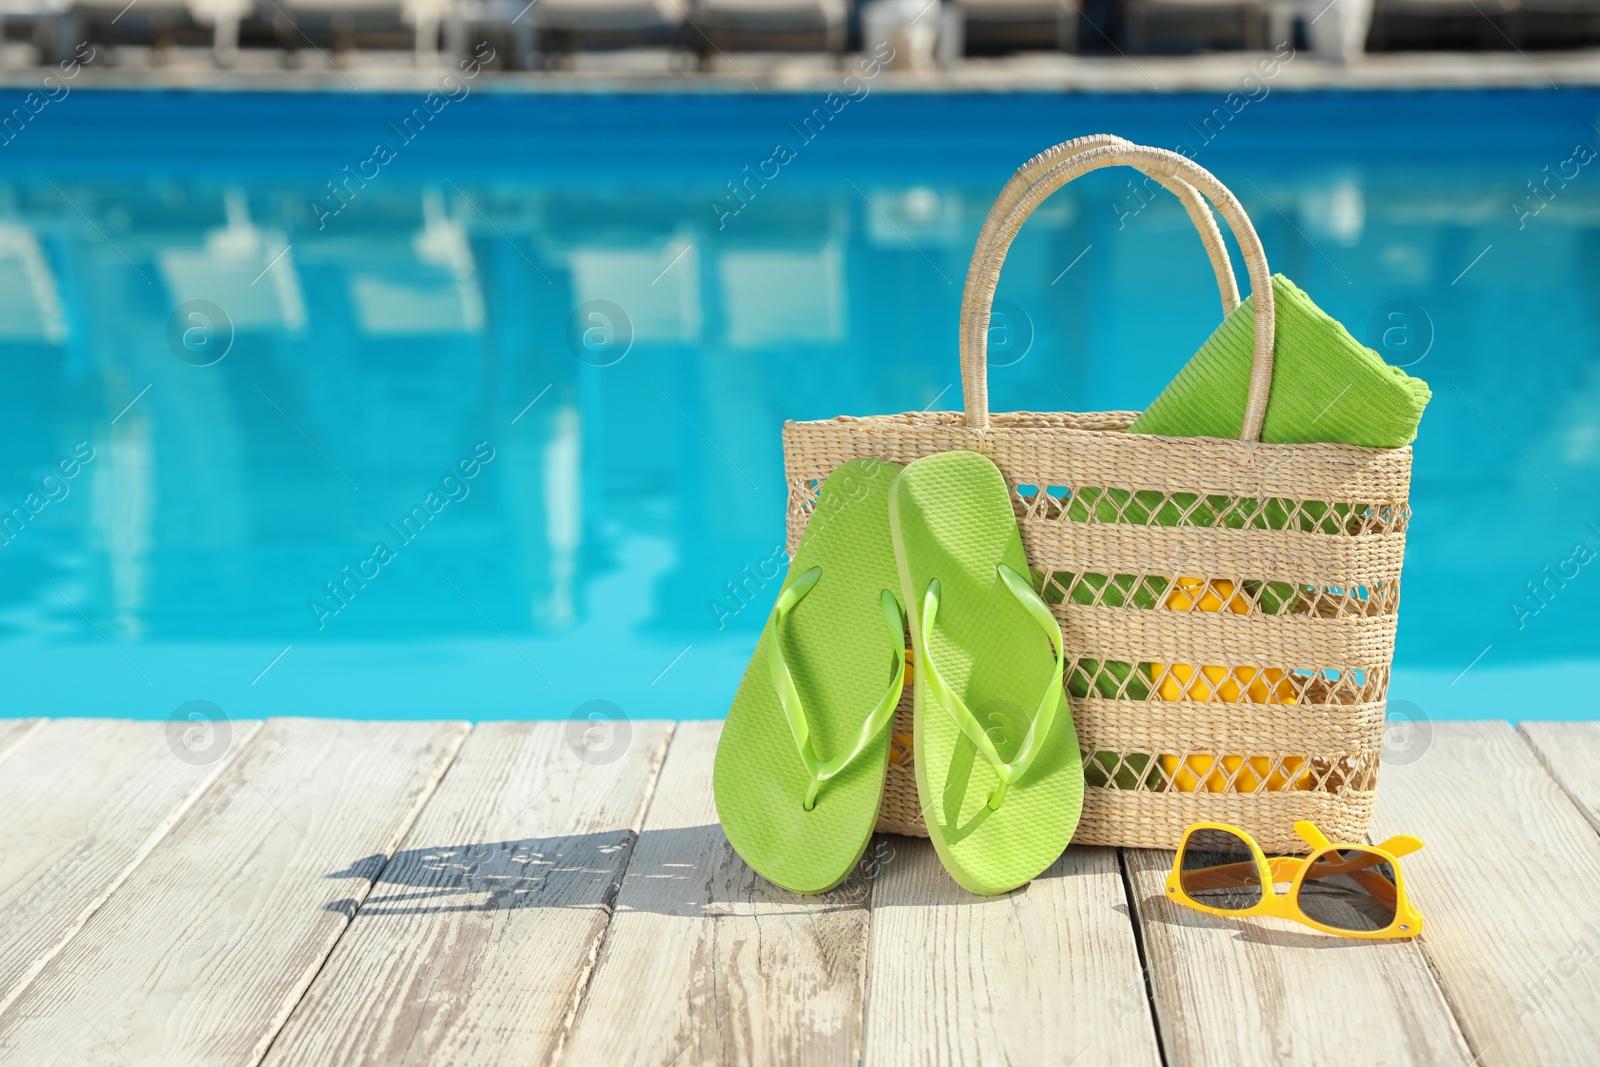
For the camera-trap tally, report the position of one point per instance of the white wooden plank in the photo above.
(1571, 753)
(476, 942)
(1237, 992)
(705, 962)
(1506, 886)
(84, 800)
(14, 731)
(1047, 974)
(201, 954)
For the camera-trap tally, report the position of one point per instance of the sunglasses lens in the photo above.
(1350, 889)
(1219, 871)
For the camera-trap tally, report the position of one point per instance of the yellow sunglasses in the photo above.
(1343, 888)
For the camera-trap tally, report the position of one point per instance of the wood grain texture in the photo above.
(1570, 751)
(705, 962)
(14, 731)
(1236, 992)
(1047, 974)
(201, 954)
(84, 801)
(1506, 885)
(475, 944)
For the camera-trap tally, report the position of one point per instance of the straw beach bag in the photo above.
(1228, 607)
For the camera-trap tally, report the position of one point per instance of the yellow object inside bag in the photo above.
(1269, 685)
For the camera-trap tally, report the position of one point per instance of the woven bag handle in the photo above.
(983, 275)
(1199, 211)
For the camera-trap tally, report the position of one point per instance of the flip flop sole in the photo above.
(950, 518)
(839, 654)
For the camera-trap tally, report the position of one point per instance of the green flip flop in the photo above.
(801, 761)
(999, 774)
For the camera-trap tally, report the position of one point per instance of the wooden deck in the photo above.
(331, 892)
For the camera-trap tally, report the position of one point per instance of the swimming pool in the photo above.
(539, 350)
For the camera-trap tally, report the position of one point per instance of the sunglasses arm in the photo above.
(1311, 835)
(1396, 846)
(1379, 886)
(1400, 845)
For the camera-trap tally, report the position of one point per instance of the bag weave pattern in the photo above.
(1314, 580)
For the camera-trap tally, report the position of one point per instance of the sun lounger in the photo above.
(55, 44)
(774, 24)
(1488, 19)
(425, 17)
(1497, 24)
(562, 24)
(1575, 23)
(1209, 21)
(1019, 23)
(221, 16)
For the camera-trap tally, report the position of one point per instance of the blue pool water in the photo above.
(540, 292)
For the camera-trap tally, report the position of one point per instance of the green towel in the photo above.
(1326, 385)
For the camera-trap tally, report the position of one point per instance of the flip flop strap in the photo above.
(821, 770)
(1045, 715)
